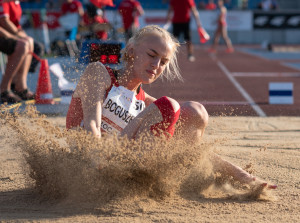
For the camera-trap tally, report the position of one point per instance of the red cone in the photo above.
(44, 88)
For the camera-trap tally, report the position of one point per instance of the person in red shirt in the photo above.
(130, 10)
(179, 15)
(18, 65)
(71, 7)
(210, 5)
(91, 18)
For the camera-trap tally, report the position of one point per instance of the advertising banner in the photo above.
(276, 20)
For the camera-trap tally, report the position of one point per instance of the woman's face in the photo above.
(151, 56)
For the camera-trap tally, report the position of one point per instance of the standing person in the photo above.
(179, 16)
(70, 7)
(268, 5)
(210, 5)
(107, 101)
(15, 41)
(95, 16)
(221, 30)
(130, 10)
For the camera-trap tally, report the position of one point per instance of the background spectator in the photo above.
(19, 44)
(267, 5)
(179, 15)
(221, 30)
(210, 5)
(130, 10)
(201, 5)
(95, 19)
(70, 7)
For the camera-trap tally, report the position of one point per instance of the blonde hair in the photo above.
(171, 71)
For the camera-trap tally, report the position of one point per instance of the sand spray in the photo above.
(76, 166)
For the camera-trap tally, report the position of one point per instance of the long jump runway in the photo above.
(233, 84)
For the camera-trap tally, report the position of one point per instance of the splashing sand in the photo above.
(76, 166)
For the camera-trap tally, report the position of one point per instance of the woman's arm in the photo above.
(91, 89)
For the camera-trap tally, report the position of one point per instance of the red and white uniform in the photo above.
(13, 11)
(72, 7)
(127, 9)
(114, 116)
(182, 10)
(222, 18)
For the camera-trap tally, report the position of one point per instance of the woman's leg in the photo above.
(216, 38)
(13, 64)
(192, 121)
(20, 79)
(191, 126)
(226, 38)
(159, 117)
(237, 173)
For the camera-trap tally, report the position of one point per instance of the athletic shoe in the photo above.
(9, 97)
(25, 94)
(191, 58)
(229, 50)
(211, 50)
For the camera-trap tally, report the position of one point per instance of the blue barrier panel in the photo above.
(281, 93)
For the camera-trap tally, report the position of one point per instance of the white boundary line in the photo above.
(243, 92)
(265, 74)
(225, 103)
(286, 64)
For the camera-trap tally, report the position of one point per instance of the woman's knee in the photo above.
(30, 41)
(22, 47)
(194, 113)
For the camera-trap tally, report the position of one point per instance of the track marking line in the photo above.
(264, 74)
(243, 92)
(225, 103)
(290, 65)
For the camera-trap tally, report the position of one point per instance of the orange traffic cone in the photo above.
(44, 88)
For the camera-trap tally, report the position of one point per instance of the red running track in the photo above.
(230, 84)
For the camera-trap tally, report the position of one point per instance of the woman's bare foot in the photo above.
(263, 184)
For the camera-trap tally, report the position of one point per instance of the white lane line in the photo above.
(291, 65)
(264, 74)
(224, 103)
(243, 92)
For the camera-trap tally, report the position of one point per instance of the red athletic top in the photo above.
(72, 7)
(13, 11)
(210, 6)
(75, 112)
(127, 9)
(222, 19)
(96, 20)
(182, 10)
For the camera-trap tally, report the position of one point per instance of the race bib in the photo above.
(119, 108)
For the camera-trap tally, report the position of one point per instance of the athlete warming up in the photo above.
(221, 30)
(106, 102)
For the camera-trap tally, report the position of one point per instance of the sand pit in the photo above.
(59, 179)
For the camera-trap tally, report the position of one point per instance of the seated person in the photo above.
(17, 67)
(95, 20)
(18, 46)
